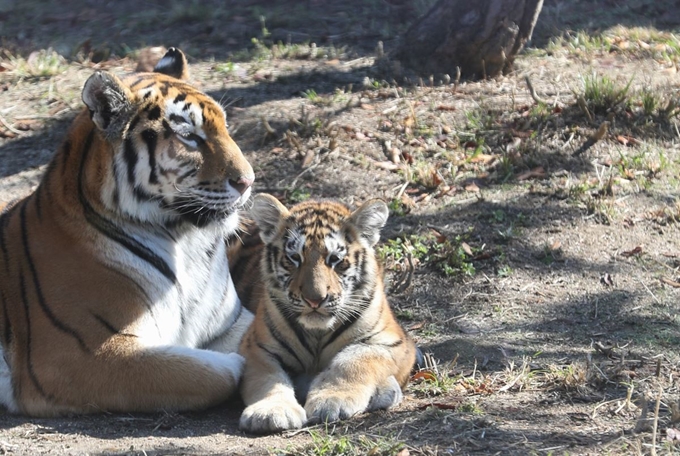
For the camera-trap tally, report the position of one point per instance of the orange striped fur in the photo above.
(325, 344)
(115, 292)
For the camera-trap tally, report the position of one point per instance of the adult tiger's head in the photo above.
(173, 158)
(319, 261)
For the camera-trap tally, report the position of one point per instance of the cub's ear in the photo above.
(173, 63)
(369, 220)
(109, 102)
(268, 213)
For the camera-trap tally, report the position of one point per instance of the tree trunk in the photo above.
(481, 37)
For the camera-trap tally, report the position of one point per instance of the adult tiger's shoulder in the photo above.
(115, 291)
(324, 334)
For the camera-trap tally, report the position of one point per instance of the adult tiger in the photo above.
(115, 291)
(324, 334)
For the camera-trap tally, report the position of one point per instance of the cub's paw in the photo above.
(269, 416)
(386, 395)
(326, 408)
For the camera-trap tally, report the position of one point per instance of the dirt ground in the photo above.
(537, 265)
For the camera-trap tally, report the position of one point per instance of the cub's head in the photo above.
(319, 259)
(173, 158)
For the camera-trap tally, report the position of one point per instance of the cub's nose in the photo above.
(242, 184)
(314, 303)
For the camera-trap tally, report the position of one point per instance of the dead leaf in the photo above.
(670, 282)
(538, 173)
(394, 155)
(446, 108)
(556, 245)
(636, 251)
(444, 406)
(627, 140)
(424, 375)
(472, 187)
(309, 157)
(466, 248)
(333, 62)
(367, 107)
(440, 238)
(483, 158)
(403, 452)
(415, 326)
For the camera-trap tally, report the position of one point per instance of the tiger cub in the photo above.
(324, 334)
(115, 293)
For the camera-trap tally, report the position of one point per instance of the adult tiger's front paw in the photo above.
(269, 416)
(326, 408)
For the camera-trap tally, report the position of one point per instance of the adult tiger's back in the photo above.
(115, 290)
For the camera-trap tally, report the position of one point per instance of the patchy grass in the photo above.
(325, 443)
(602, 94)
(41, 64)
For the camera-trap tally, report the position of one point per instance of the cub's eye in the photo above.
(295, 258)
(342, 265)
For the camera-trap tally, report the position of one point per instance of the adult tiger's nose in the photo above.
(242, 184)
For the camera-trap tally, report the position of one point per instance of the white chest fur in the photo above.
(192, 300)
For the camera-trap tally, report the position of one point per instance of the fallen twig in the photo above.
(533, 93)
(9, 127)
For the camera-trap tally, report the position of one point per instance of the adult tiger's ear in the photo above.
(174, 63)
(268, 213)
(369, 220)
(109, 102)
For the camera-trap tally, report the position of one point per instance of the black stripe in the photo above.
(7, 329)
(141, 78)
(38, 289)
(114, 232)
(65, 154)
(345, 326)
(150, 137)
(167, 129)
(297, 329)
(29, 360)
(272, 253)
(179, 98)
(280, 339)
(154, 112)
(391, 344)
(4, 222)
(105, 324)
(372, 332)
(130, 156)
(186, 107)
(177, 119)
(277, 358)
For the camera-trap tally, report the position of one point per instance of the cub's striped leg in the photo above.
(127, 378)
(360, 378)
(269, 395)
